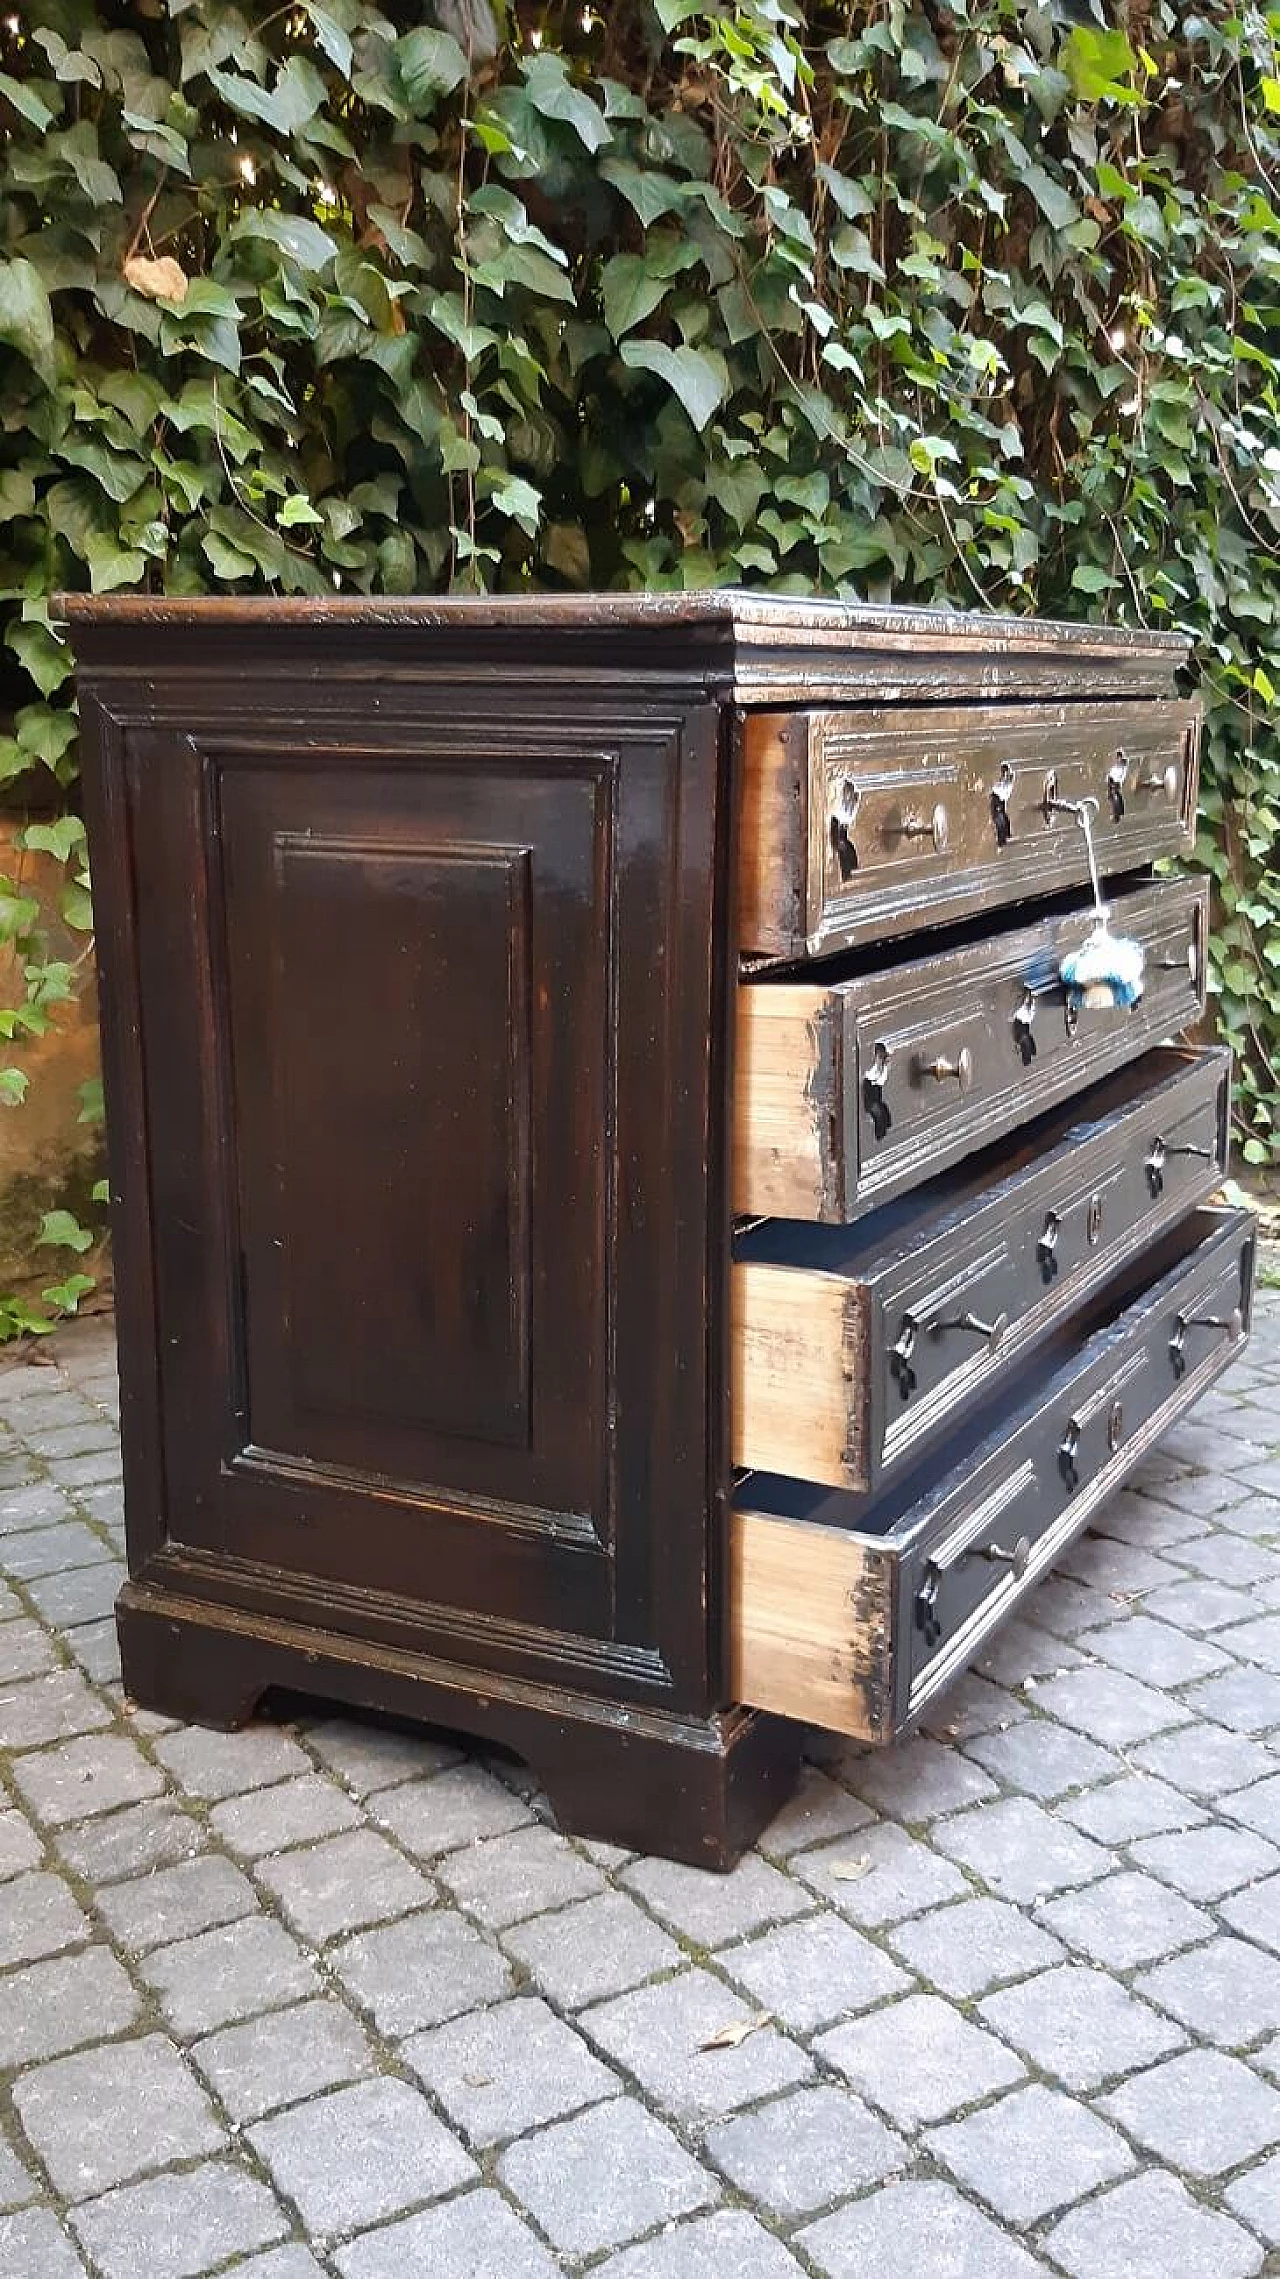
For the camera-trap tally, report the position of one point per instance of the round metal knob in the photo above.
(1161, 779)
(961, 1068)
(993, 1331)
(935, 826)
(1017, 1557)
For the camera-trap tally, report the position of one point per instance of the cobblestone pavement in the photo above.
(327, 1998)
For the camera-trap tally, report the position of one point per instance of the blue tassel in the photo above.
(1105, 972)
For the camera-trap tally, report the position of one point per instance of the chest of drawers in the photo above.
(623, 1244)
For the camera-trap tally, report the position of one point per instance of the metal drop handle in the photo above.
(844, 814)
(1154, 1162)
(1002, 791)
(961, 1068)
(992, 1331)
(1117, 774)
(877, 1075)
(1232, 1323)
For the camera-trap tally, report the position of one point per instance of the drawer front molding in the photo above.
(857, 826)
(850, 1356)
(855, 1614)
(850, 1094)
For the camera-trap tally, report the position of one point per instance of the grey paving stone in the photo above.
(90, 1435)
(96, 1647)
(1202, 2112)
(1153, 1523)
(730, 2240)
(10, 1604)
(476, 2236)
(508, 1878)
(56, 2006)
(916, 1781)
(1232, 1559)
(901, 1875)
(344, 1884)
(51, 1551)
(502, 2071)
(1205, 1760)
(1256, 1913)
(712, 1909)
(38, 1504)
(1135, 1805)
(1111, 1706)
(908, 2230)
(457, 1807)
(33, 2245)
(1228, 1992)
(370, 1757)
(1246, 1699)
(819, 1810)
(604, 2177)
(132, 1842)
(972, 1706)
(1154, 1652)
(105, 2115)
(420, 1971)
(1042, 1758)
(804, 2151)
(1066, 1608)
(215, 1765)
(49, 1708)
(290, 2263)
(19, 1845)
(1258, 1807)
(1198, 1604)
(812, 1973)
(85, 1594)
(1126, 1920)
(658, 2034)
(17, 2184)
(76, 1472)
(80, 1778)
(967, 1949)
(289, 1812)
(175, 1903)
(1022, 1650)
(1019, 1851)
(283, 2057)
(1255, 2198)
(1151, 2228)
(39, 1917)
(1208, 1863)
(1031, 2153)
(174, 2227)
(360, 2154)
(1123, 1570)
(227, 1973)
(1079, 2026)
(25, 1650)
(919, 2060)
(582, 1954)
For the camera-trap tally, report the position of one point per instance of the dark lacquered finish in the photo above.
(950, 1289)
(948, 1555)
(416, 938)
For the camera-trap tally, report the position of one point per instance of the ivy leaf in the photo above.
(47, 659)
(296, 511)
(59, 839)
(303, 240)
(514, 497)
(1056, 204)
(629, 291)
(430, 63)
(13, 1087)
(649, 195)
(552, 92)
(61, 1230)
(699, 377)
(26, 102)
(66, 1295)
(298, 94)
(1101, 65)
(112, 565)
(334, 41)
(26, 317)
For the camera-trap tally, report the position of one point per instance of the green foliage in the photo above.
(970, 301)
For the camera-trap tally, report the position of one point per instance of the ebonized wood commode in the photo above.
(622, 1246)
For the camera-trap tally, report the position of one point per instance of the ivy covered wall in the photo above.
(970, 301)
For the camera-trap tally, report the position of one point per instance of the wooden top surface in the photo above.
(755, 646)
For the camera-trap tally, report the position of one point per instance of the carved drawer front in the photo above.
(857, 826)
(849, 1094)
(854, 1347)
(854, 1612)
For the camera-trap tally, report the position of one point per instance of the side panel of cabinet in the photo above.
(413, 1027)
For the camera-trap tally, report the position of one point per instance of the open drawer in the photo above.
(854, 1612)
(858, 825)
(854, 1347)
(851, 1089)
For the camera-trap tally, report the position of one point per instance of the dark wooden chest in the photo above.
(623, 1244)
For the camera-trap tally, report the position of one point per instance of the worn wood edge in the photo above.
(787, 1104)
(811, 1623)
(799, 1374)
(773, 858)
